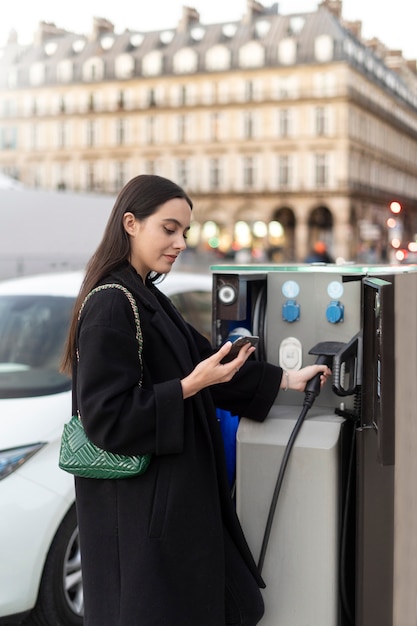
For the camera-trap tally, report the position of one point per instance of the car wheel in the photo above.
(60, 600)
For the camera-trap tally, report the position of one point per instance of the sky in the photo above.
(392, 23)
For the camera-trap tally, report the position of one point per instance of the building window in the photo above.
(185, 61)
(182, 128)
(34, 137)
(215, 174)
(248, 172)
(182, 96)
(287, 51)
(249, 91)
(61, 177)
(323, 48)
(252, 54)
(65, 71)
(182, 172)
(152, 63)
(7, 108)
(151, 98)
(62, 135)
(93, 69)
(321, 121)
(284, 170)
(91, 177)
(121, 100)
(91, 102)
(150, 130)
(284, 122)
(37, 74)
(124, 66)
(120, 174)
(321, 170)
(286, 87)
(8, 139)
(324, 83)
(150, 166)
(12, 78)
(120, 132)
(91, 133)
(248, 125)
(215, 126)
(218, 58)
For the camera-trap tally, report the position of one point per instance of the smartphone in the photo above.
(237, 345)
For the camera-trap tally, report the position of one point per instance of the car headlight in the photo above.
(13, 458)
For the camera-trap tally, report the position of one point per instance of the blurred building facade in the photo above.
(284, 129)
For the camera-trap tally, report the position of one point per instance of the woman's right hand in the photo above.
(212, 372)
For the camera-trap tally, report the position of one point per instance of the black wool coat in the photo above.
(152, 545)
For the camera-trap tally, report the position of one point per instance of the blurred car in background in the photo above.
(40, 570)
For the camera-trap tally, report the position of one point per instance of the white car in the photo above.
(40, 559)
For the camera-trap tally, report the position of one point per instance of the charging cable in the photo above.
(311, 392)
(278, 484)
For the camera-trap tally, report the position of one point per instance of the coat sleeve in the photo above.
(252, 391)
(118, 415)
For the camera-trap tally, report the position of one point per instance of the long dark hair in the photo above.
(142, 196)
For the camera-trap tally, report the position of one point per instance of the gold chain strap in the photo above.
(135, 314)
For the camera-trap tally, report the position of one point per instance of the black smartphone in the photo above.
(237, 345)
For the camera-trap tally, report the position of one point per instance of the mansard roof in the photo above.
(263, 25)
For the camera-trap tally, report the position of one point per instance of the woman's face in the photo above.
(156, 241)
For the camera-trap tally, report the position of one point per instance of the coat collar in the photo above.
(145, 294)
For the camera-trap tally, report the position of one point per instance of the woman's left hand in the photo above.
(211, 371)
(298, 379)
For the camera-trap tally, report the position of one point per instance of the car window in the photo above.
(195, 307)
(33, 331)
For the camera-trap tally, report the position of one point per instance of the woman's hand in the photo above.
(211, 371)
(297, 379)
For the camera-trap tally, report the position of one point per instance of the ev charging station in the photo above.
(315, 489)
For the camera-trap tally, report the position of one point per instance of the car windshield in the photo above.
(195, 307)
(33, 330)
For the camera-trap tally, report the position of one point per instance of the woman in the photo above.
(164, 548)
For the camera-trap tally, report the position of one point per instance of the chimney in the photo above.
(355, 28)
(253, 9)
(334, 6)
(47, 30)
(101, 26)
(190, 17)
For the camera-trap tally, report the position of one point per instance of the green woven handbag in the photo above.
(78, 455)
